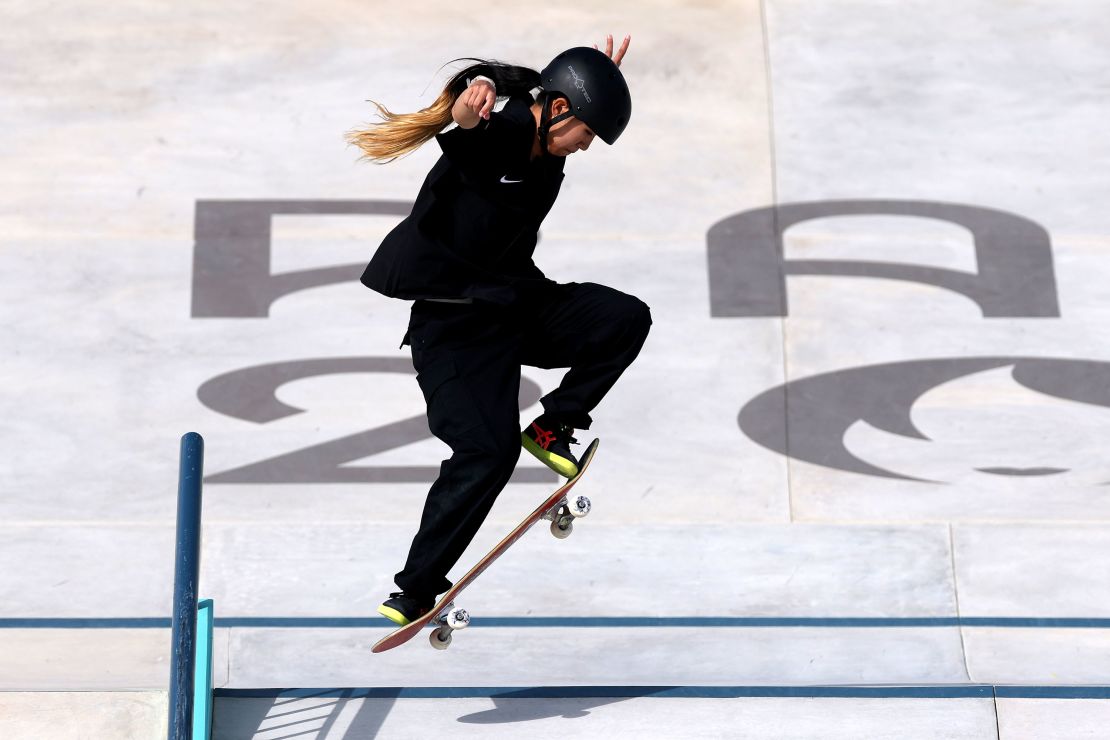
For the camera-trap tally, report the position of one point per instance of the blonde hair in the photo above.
(398, 134)
(402, 133)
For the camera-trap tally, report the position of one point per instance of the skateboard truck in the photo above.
(563, 514)
(449, 620)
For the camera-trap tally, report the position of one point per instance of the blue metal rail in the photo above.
(183, 658)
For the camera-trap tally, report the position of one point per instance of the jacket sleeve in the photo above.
(489, 148)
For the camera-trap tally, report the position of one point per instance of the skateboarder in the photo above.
(481, 307)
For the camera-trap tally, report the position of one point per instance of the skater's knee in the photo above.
(633, 316)
(618, 312)
(641, 316)
(498, 452)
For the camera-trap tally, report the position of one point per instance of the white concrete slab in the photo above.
(86, 571)
(91, 659)
(569, 657)
(1037, 657)
(1042, 570)
(75, 660)
(601, 570)
(971, 425)
(957, 103)
(1029, 719)
(332, 569)
(99, 715)
(748, 570)
(964, 101)
(361, 719)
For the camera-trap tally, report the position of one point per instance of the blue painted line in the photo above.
(611, 622)
(969, 691)
(95, 623)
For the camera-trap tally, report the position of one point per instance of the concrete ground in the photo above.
(854, 486)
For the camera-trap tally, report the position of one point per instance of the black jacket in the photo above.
(473, 227)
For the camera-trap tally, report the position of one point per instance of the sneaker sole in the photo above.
(560, 465)
(393, 615)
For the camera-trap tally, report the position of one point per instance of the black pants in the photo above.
(468, 359)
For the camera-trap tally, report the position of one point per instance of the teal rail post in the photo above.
(202, 685)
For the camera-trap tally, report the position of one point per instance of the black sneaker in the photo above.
(550, 441)
(402, 609)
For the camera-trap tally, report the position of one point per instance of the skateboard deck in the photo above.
(443, 616)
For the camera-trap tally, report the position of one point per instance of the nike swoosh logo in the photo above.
(509, 181)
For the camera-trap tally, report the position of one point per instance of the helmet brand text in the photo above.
(579, 83)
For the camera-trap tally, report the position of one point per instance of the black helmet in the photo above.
(594, 86)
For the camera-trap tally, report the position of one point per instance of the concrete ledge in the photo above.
(526, 656)
(327, 716)
(88, 715)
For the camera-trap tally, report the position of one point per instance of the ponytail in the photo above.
(399, 134)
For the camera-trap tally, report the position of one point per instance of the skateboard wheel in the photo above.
(440, 638)
(562, 527)
(458, 619)
(580, 507)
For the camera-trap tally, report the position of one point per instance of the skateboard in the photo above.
(445, 617)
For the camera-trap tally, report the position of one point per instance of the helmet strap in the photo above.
(546, 121)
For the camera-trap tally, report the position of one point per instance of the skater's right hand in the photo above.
(620, 52)
(474, 104)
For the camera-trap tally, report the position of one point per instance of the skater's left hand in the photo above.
(620, 52)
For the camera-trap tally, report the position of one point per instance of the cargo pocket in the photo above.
(452, 411)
